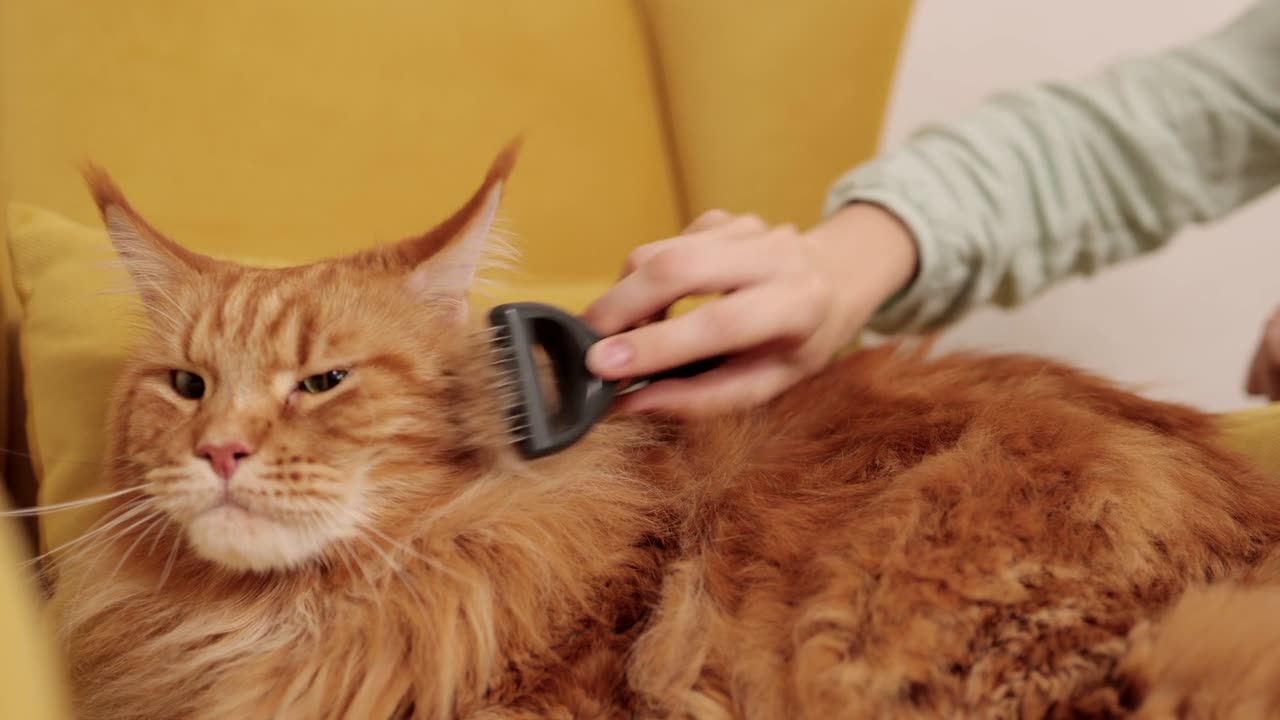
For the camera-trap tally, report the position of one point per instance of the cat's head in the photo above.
(271, 413)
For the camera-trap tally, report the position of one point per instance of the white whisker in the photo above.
(404, 547)
(168, 565)
(325, 519)
(394, 567)
(70, 504)
(364, 571)
(105, 544)
(131, 511)
(154, 522)
(339, 550)
(156, 541)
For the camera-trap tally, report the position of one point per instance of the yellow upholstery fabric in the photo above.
(30, 672)
(1256, 433)
(74, 330)
(770, 101)
(316, 126)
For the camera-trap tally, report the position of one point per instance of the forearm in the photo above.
(1068, 178)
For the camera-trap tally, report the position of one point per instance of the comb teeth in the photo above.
(507, 388)
(534, 425)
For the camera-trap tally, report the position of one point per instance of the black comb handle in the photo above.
(582, 398)
(688, 370)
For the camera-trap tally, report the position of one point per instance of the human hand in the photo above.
(788, 301)
(1264, 372)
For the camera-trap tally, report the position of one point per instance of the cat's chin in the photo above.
(245, 541)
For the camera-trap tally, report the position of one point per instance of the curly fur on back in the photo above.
(971, 536)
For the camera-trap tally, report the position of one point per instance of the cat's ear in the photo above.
(441, 265)
(154, 262)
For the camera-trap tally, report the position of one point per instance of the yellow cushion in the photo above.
(1256, 433)
(31, 677)
(74, 334)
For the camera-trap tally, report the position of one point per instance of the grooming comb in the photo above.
(540, 423)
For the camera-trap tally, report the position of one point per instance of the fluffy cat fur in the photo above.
(970, 536)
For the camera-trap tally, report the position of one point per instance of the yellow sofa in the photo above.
(294, 129)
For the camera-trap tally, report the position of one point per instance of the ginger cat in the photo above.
(321, 518)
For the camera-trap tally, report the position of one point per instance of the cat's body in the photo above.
(897, 537)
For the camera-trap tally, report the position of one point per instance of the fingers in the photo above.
(737, 322)
(711, 262)
(711, 224)
(1264, 372)
(1257, 382)
(1268, 383)
(744, 381)
(1271, 362)
(723, 219)
(770, 291)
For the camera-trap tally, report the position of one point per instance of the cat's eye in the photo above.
(187, 384)
(323, 382)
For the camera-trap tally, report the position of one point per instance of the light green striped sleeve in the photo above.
(1066, 178)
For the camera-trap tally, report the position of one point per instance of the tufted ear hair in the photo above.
(154, 262)
(441, 264)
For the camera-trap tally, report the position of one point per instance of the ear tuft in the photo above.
(505, 162)
(442, 263)
(476, 214)
(103, 189)
(153, 261)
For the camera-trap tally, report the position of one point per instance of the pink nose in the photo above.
(224, 458)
